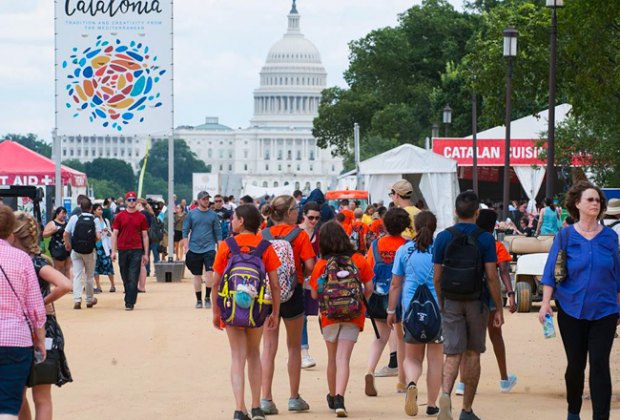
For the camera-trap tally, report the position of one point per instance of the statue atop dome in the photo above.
(294, 8)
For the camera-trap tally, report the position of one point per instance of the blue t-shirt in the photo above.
(203, 229)
(486, 243)
(416, 267)
(591, 288)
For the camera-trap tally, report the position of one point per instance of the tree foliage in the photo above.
(74, 164)
(106, 188)
(185, 162)
(32, 142)
(115, 170)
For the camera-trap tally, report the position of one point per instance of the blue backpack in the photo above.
(243, 295)
(422, 319)
(382, 270)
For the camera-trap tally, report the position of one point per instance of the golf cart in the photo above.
(529, 259)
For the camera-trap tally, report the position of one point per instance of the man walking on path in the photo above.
(201, 233)
(463, 254)
(81, 235)
(130, 237)
(402, 195)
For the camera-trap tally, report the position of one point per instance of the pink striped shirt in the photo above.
(14, 329)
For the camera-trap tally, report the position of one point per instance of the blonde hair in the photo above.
(279, 207)
(7, 221)
(27, 233)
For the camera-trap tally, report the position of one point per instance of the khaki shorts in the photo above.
(464, 326)
(341, 331)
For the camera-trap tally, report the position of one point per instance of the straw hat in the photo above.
(613, 207)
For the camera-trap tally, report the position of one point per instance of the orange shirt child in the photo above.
(387, 247)
(377, 228)
(362, 228)
(349, 217)
(502, 253)
(302, 248)
(366, 275)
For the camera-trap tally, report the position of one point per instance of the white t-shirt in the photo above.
(616, 227)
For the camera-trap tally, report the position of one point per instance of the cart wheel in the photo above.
(523, 294)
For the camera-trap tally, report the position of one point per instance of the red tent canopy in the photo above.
(22, 166)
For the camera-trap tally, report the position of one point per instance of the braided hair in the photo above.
(27, 233)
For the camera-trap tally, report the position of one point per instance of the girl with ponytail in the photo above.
(413, 266)
(26, 238)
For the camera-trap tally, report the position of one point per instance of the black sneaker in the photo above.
(432, 411)
(128, 307)
(240, 415)
(208, 303)
(468, 415)
(330, 402)
(257, 414)
(339, 406)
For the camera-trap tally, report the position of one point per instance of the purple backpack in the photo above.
(243, 295)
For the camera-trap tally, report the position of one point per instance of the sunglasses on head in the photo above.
(593, 199)
(313, 217)
(132, 199)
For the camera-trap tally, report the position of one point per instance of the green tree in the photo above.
(185, 162)
(154, 185)
(392, 75)
(115, 170)
(74, 164)
(106, 188)
(32, 142)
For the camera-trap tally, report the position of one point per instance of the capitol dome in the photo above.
(291, 81)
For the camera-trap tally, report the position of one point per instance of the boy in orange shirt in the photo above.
(359, 231)
(348, 215)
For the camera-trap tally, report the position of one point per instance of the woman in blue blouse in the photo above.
(413, 265)
(587, 300)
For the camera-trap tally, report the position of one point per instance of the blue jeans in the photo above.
(129, 262)
(304, 335)
(15, 365)
(155, 251)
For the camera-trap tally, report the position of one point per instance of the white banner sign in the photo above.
(113, 67)
(202, 181)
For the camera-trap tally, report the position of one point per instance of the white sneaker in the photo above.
(307, 362)
(508, 384)
(460, 389)
(445, 407)
(386, 371)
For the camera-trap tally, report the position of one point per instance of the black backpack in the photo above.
(462, 271)
(84, 236)
(156, 231)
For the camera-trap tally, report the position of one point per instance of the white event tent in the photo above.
(433, 177)
(530, 127)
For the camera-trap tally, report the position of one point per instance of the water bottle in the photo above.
(548, 328)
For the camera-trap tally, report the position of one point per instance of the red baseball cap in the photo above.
(131, 194)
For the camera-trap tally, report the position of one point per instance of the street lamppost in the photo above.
(447, 117)
(553, 5)
(510, 51)
(435, 130)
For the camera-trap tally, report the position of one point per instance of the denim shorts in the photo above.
(15, 363)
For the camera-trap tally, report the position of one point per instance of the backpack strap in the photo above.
(292, 235)
(267, 234)
(233, 246)
(375, 252)
(614, 224)
(261, 248)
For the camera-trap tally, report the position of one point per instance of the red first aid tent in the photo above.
(22, 166)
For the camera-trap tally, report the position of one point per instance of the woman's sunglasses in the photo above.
(313, 217)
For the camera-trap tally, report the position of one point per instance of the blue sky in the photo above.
(220, 47)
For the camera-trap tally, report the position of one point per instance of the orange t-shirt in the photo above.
(248, 243)
(366, 275)
(502, 253)
(377, 227)
(388, 245)
(302, 248)
(349, 217)
(363, 230)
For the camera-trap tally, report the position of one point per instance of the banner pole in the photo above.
(55, 139)
(171, 204)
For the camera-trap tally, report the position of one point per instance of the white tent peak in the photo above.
(530, 127)
(408, 159)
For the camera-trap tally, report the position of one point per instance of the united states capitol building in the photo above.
(276, 150)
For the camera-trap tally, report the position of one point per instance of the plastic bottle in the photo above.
(548, 327)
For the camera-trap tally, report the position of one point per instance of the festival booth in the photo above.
(22, 166)
(434, 179)
(527, 168)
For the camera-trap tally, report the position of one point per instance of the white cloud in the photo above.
(220, 47)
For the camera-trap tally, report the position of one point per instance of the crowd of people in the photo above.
(279, 260)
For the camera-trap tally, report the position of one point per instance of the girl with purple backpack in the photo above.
(245, 253)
